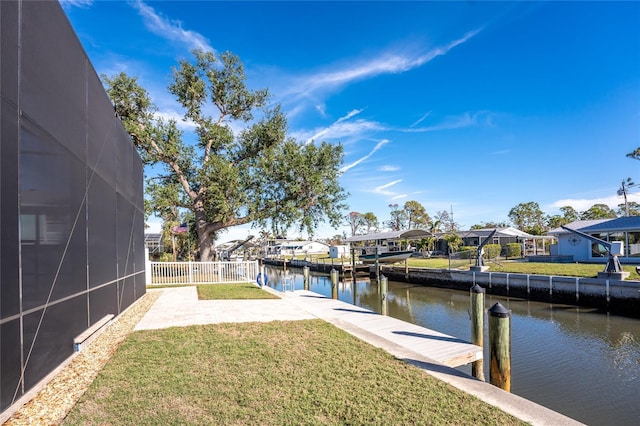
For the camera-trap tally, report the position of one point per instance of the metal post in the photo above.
(477, 328)
(263, 281)
(383, 294)
(334, 284)
(305, 274)
(500, 347)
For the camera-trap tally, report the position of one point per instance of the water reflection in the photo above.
(577, 361)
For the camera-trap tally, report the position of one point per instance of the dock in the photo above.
(342, 267)
(386, 332)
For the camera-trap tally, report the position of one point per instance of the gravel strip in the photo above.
(57, 398)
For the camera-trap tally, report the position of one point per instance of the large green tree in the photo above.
(569, 214)
(417, 216)
(398, 219)
(528, 218)
(598, 211)
(370, 222)
(256, 175)
(631, 208)
(355, 221)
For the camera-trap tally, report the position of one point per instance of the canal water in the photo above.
(577, 361)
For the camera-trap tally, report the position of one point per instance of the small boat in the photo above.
(387, 244)
(387, 257)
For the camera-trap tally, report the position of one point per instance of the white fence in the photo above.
(159, 273)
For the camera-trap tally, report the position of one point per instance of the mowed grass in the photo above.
(232, 291)
(293, 373)
(518, 267)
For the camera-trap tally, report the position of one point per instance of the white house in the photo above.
(294, 247)
(624, 229)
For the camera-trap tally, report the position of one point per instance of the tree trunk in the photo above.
(205, 239)
(206, 254)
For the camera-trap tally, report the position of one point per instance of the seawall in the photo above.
(612, 295)
(616, 296)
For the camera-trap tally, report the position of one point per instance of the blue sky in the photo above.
(468, 106)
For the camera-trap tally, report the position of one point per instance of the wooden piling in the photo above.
(334, 284)
(406, 269)
(500, 347)
(477, 327)
(305, 274)
(383, 294)
(353, 263)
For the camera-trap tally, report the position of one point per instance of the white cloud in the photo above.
(351, 113)
(582, 204)
(388, 168)
(316, 86)
(340, 131)
(76, 3)
(179, 119)
(420, 120)
(338, 128)
(382, 189)
(455, 122)
(170, 30)
(397, 197)
(361, 159)
(387, 63)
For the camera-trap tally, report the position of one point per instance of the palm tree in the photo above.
(454, 241)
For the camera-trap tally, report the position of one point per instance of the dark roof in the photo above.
(631, 223)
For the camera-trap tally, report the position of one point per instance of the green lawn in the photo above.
(233, 291)
(513, 266)
(293, 373)
(520, 267)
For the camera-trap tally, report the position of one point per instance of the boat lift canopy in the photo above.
(409, 234)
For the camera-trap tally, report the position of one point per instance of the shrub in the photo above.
(166, 257)
(514, 250)
(491, 251)
(467, 252)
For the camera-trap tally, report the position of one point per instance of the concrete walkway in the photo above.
(177, 307)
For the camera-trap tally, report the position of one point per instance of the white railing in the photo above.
(201, 272)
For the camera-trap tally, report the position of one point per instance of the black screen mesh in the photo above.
(72, 224)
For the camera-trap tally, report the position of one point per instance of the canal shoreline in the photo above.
(357, 322)
(578, 361)
(610, 295)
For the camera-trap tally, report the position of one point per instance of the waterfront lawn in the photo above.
(565, 269)
(232, 291)
(539, 268)
(293, 372)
